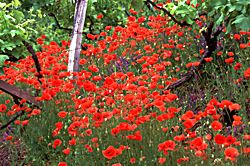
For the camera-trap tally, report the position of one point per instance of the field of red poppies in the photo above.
(148, 93)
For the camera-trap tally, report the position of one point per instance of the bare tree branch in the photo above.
(12, 120)
(35, 59)
(69, 29)
(58, 24)
(182, 24)
(211, 42)
(91, 24)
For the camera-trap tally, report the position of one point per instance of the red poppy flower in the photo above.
(89, 86)
(219, 139)
(59, 125)
(180, 46)
(3, 108)
(216, 117)
(62, 114)
(175, 128)
(25, 122)
(109, 153)
(132, 160)
(39, 41)
(199, 153)
(237, 66)
(196, 143)
(103, 34)
(46, 95)
(17, 122)
(94, 140)
(82, 61)
(237, 143)
(196, 63)
(43, 36)
(141, 19)
(72, 142)
(237, 120)
(115, 131)
(91, 36)
(246, 137)
(234, 107)
(7, 102)
(161, 160)
(36, 112)
(230, 54)
(225, 103)
(216, 125)
(131, 18)
(190, 64)
(187, 2)
(98, 117)
(117, 164)
(236, 36)
(170, 97)
(189, 123)
(66, 151)
(167, 145)
(133, 44)
(229, 60)
(179, 138)
(88, 132)
(208, 137)
(219, 53)
(164, 129)
(99, 16)
(247, 73)
(208, 59)
(132, 11)
(202, 51)
(93, 68)
(9, 137)
(229, 140)
(231, 153)
(57, 142)
(107, 28)
(246, 150)
(62, 164)
(180, 160)
(210, 110)
(243, 46)
(158, 103)
(147, 47)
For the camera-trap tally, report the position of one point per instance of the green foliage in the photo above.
(2, 59)
(24, 21)
(235, 14)
(113, 12)
(12, 30)
(183, 11)
(137, 4)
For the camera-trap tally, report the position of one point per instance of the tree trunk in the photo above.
(75, 45)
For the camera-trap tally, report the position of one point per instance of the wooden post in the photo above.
(76, 41)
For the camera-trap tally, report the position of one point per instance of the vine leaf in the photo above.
(2, 59)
